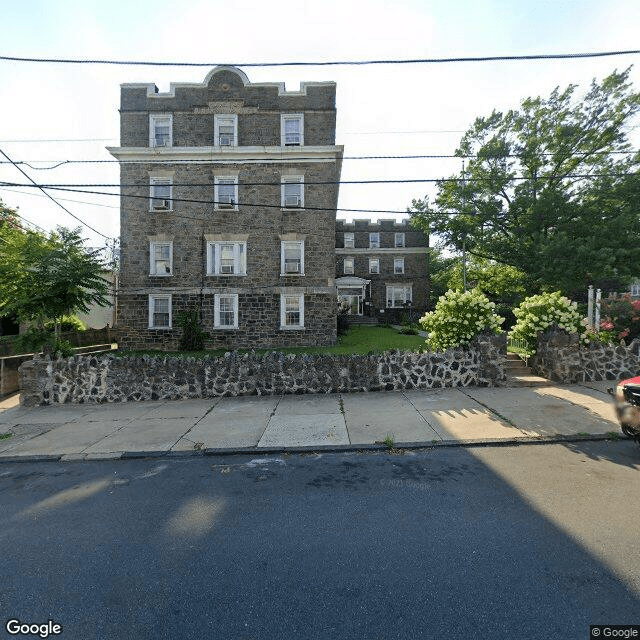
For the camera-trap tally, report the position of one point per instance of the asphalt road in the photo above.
(533, 541)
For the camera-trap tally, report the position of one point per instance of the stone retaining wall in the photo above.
(561, 358)
(96, 379)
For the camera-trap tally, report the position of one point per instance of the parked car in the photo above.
(627, 403)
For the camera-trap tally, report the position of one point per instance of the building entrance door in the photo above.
(354, 302)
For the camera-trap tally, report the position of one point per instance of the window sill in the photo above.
(289, 328)
(291, 275)
(292, 208)
(225, 328)
(160, 328)
(226, 275)
(161, 275)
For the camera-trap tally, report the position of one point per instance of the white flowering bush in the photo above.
(458, 317)
(536, 313)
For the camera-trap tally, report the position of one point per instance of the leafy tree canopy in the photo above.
(550, 188)
(44, 277)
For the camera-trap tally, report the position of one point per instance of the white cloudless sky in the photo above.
(56, 112)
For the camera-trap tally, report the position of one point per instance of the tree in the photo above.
(44, 277)
(550, 188)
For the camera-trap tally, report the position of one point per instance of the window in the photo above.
(635, 290)
(161, 254)
(160, 312)
(398, 265)
(399, 240)
(292, 192)
(398, 296)
(160, 130)
(374, 265)
(292, 130)
(225, 130)
(348, 266)
(349, 241)
(292, 258)
(225, 313)
(161, 189)
(292, 311)
(374, 240)
(226, 258)
(226, 193)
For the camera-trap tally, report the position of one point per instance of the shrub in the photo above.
(621, 317)
(458, 317)
(343, 323)
(67, 323)
(536, 313)
(36, 339)
(193, 337)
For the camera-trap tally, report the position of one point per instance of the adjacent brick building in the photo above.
(382, 268)
(229, 194)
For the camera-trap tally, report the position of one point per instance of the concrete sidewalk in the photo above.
(296, 422)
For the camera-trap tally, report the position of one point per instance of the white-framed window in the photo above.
(399, 240)
(374, 240)
(161, 192)
(225, 311)
(225, 130)
(398, 265)
(292, 258)
(226, 192)
(226, 258)
(160, 311)
(635, 290)
(374, 265)
(292, 192)
(349, 240)
(160, 130)
(292, 129)
(292, 311)
(398, 296)
(348, 266)
(161, 255)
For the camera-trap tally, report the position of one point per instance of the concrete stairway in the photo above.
(519, 374)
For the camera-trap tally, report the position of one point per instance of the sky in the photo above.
(56, 112)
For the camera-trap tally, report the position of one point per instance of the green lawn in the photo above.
(359, 339)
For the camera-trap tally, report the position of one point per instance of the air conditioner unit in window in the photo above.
(226, 268)
(225, 140)
(225, 202)
(162, 205)
(161, 142)
(292, 267)
(292, 201)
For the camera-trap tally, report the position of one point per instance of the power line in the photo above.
(40, 195)
(35, 184)
(114, 185)
(197, 201)
(330, 63)
(61, 140)
(441, 156)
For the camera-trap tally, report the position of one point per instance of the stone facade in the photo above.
(400, 260)
(98, 379)
(560, 357)
(208, 222)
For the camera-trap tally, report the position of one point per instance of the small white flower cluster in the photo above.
(458, 317)
(536, 313)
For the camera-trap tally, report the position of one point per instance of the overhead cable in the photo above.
(329, 63)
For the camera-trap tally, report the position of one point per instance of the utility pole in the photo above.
(464, 237)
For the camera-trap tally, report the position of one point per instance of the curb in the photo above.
(343, 448)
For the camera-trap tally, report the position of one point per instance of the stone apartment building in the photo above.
(382, 268)
(229, 195)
